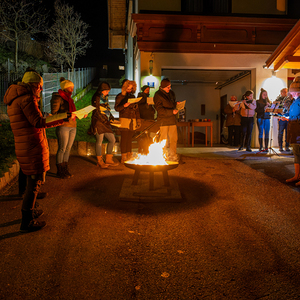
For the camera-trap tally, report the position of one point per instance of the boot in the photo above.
(261, 148)
(248, 142)
(287, 147)
(129, 155)
(66, 170)
(243, 143)
(29, 224)
(266, 144)
(124, 158)
(297, 174)
(60, 171)
(280, 147)
(101, 163)
(109, 160)
(37, 213)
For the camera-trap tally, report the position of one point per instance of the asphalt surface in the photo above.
(234, 235)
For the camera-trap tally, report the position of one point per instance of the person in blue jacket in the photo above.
(294, 128)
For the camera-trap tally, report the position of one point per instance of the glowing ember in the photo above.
(155, 156)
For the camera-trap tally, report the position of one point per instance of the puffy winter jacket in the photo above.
(28, 126)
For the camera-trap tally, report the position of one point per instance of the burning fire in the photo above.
(154, 157)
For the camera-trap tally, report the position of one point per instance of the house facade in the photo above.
(209, 52)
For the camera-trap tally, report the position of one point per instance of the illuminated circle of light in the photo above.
(273, 86)
(154, 79)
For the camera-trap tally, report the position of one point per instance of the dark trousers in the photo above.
(247, 126)
(22, 182)
(33, 186)
(126, 141)
(282, 126)
(234, 133)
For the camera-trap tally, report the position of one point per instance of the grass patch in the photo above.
(7, 147)
(7, 143)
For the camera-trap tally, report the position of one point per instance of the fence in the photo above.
(80, 77)
(5, 80)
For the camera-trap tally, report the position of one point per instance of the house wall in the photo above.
(257, 7)
(252, 62)
(165, 5)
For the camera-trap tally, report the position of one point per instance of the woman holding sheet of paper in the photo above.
(263, 119)
(62, 102)
(101, 125)
(129, 116)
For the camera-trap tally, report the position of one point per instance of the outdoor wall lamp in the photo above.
(150, 66)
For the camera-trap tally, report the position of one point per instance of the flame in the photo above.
(154, 157)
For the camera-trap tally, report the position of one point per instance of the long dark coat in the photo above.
(165, 103)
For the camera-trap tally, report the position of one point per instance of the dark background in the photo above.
(95, 14)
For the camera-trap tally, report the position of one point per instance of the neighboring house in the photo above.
(209, 49)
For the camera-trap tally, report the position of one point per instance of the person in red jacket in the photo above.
(31, 146)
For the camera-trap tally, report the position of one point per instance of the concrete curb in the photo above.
(80, 148)
(10, 175)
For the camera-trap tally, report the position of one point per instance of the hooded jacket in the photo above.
(28, 126)
(147, 111)
(101, 121)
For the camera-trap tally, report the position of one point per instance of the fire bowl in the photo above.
(152, 168)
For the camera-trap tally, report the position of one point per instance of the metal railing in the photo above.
(80, 77)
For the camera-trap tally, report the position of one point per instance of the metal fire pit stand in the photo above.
(151, 169)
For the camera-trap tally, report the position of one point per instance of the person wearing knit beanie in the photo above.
(31, 147)
(294, 128)
(145, 87)
(31, 76)
(164, 83)
(62, 102)
(66, 84)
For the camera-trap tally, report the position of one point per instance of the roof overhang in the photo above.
(209, 34)
(287, 54)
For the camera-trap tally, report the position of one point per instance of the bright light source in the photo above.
(273, 86)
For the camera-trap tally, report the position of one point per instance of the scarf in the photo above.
(67, 97)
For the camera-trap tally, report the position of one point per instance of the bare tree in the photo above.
(20, 20)
(67, 36)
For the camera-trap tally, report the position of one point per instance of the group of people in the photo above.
(240, 116)
(240, 119)
(28, 124)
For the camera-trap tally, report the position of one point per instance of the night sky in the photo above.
(95, 14)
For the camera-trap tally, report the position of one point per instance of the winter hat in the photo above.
(31, 76)
(65, 83)
(295, 85)
(145, 87)
(164, 83)
(104, 86)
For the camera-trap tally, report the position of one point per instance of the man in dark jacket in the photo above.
(165, 105)
(31, 146)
